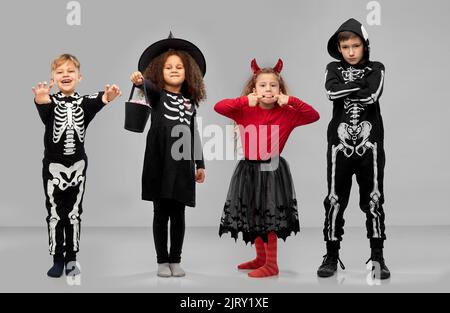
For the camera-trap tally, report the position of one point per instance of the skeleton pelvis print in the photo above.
(354, 134)
(65, 177)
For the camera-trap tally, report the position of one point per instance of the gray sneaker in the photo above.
(176, 269)
(164, 270)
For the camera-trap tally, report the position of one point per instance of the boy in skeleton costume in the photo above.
(66, 115)
(355, 143)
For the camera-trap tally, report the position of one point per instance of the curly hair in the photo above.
(193, 86)
(251, 83)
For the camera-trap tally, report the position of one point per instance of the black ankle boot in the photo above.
(377, 256)
(329, 264)
(57, 269)
(58, 266)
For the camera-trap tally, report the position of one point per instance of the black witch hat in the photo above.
(164, 45)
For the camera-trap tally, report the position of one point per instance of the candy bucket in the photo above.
(137, 112)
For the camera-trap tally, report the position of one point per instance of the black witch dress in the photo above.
(173, 149)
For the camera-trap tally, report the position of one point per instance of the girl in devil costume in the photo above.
(171, 74)
(261, 200)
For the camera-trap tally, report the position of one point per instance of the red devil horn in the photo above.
(255, 67)
(279, 66)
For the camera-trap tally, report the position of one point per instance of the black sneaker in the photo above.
(329, 265)
(377, 256)
(56, 270)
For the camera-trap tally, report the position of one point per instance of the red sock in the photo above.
(270, 268)
(260, 257)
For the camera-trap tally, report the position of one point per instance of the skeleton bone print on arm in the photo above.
(69, 119)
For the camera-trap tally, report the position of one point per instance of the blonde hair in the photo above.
(63, 58)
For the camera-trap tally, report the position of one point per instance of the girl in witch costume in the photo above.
(171, 74)
(261, 200)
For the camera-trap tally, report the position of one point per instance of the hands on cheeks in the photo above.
(253, 99)
(281, 99)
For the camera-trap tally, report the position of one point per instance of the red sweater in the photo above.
(264, 132)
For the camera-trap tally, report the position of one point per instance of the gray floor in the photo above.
(123, 260)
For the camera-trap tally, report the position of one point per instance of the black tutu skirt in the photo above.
(261, 199)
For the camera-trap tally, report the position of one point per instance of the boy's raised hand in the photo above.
(282, 99)
(111, 92)
(253, 99)
(42, 92)
(137, 78)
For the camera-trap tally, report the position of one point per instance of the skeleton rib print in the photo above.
(179, 106)
(69, 119)
(355, 130)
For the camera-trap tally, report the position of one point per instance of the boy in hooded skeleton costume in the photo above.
(355, 143)
(66, 115)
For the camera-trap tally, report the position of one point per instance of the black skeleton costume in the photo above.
(355, 140)
(64, 167)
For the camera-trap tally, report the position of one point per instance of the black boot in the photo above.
(57, 269)
(377, 256)
(330, 261)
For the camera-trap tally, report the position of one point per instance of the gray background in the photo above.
(411, 41)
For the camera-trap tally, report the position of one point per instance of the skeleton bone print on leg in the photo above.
(354, 138)
(333, 197)
(179, 108)
(69, 119)
(63, 178)
(375, 194)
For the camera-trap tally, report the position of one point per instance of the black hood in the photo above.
(353, 26)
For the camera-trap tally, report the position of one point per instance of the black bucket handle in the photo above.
(145, 93)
